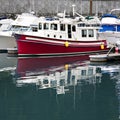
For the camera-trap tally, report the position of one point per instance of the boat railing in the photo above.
(112, 47)
(114, 10)
(82, 17)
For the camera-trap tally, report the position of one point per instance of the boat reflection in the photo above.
(58, 73)
(113, 69)
(61, 88)
(7, 63)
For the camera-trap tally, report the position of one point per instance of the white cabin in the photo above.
(65, 28)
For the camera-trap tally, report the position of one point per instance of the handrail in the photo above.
(114, 10)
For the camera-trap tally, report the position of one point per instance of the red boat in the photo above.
(61, 36)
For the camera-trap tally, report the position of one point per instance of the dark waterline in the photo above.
(84, 92)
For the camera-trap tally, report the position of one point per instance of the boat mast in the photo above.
(81, 7)
(91, 7)
(32, 8)
(96, 8)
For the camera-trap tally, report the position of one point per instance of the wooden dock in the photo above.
(104, 57)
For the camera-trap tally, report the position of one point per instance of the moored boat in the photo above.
(5, 24)
(62, 35)
(110, 28)
(20, 24)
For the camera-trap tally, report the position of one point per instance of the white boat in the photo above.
(62, 35)
(20, 24)
(5, 24)
(110, 28)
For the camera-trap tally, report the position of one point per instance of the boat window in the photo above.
(15, 28)
(11, 28)
(98, 70)
(25, 28)
(34, 29)
(81, 25)
(90, 33)
(87, 25)
(62, 27)
(118, 27)
(45, 81)
(46, 26)
(0, 25)
(98, 25)
(90, 71)
(73, 77)
(84, 33)
(40, 26)
(83, 72)
(95, 25)
(62, 82)
(74, 28)
(53, 26)
(69, 31)
(53, 83)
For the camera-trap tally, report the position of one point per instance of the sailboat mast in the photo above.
(91, 7)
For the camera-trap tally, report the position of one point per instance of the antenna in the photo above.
(73, 9)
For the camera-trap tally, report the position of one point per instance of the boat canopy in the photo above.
(109, 15)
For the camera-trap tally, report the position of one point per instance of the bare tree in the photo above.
(54, 6)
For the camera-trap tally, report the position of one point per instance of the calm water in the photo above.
(58, 89)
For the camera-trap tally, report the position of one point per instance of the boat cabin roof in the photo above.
(73, 21)
(24, 19)
(109, 15)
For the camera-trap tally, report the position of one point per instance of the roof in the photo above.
(109, 15)
(24, 19)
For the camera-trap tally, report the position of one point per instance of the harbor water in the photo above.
(58, 88)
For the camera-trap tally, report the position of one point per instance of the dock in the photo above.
(104, 57)
(12, 50)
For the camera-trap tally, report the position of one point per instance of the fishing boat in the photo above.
(20, 24)
(110, 28)
(62, 35)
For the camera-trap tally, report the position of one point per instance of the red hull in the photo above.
(30, 45)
